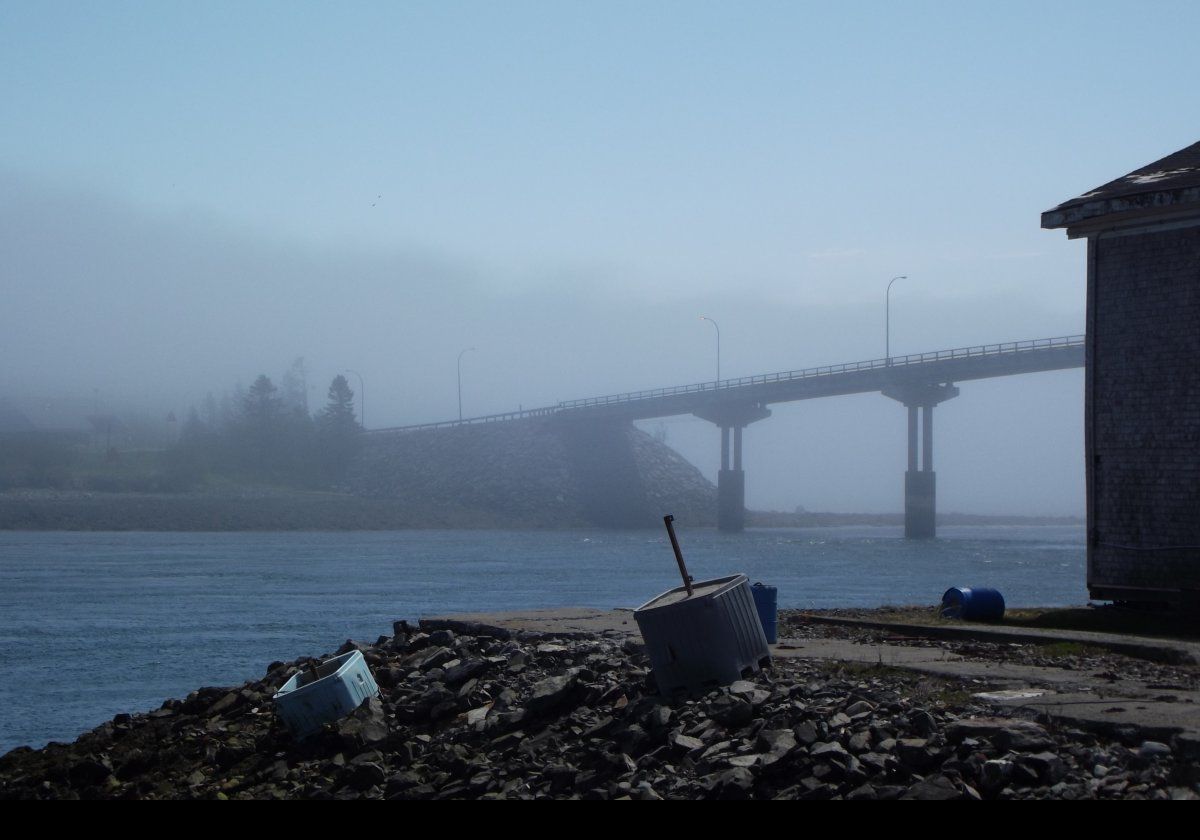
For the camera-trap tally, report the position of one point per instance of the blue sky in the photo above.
(570, 185)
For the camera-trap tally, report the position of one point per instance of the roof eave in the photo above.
(1139, 205)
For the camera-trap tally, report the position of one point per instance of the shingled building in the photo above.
(1142, 415)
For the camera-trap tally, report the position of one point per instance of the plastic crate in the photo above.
(341, 685)
(707, 639)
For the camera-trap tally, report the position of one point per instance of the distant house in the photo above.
(1142, 415)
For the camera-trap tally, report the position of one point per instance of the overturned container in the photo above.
(312, 698)
(977, 604)
(706, 638)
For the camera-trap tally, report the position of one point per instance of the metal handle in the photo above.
(687, 579)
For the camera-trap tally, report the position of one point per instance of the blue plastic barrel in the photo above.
(765, 601)
(973, 604)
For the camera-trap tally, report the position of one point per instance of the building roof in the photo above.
(1166, 186)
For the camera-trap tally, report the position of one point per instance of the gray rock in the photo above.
(464, 671)
(367, 724)
(737, 783)
(915, 753)
(778, 742)
(876, 763)
(742, 687)
(859, 742)
(686, 743)
(645, 792)
(748, 760)
(1153, 749)
(659, 717)
(90, 772)
(226, 703)
(551, 693)
(365, 776)
(731, 711)
(441, 638)
(995, 774)
(562, 777)
(922, 723)
(430, 658)
(1049, 768)
(935, 788)
(806, 733)
(827, 748)
(861, 793)
(1005, 733)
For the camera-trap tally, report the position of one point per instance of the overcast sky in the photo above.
(192, 194)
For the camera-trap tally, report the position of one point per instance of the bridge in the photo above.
(919, 381)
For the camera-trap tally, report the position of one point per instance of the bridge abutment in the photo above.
(920, 485)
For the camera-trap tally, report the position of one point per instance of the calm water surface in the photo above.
(92, 624)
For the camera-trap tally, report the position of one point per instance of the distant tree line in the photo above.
(263, 434)
(267, 434)
(39, 458)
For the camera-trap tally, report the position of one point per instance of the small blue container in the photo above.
(973, 604)
(306, 704)
(766, 602)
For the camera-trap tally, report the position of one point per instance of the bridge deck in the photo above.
(944, 366)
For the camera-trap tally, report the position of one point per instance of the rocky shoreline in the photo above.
(472, 711)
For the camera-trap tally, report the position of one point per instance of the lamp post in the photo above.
(887, 319)
(714, 323)
(460, 355)
(362, 398)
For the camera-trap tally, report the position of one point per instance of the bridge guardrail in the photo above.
(471, 421)
(977, 350)
(830, 370)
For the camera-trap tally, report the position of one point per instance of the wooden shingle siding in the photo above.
(1144, 411)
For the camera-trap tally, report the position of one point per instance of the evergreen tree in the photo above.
(337, 430)
(260, 423)
(339, 411)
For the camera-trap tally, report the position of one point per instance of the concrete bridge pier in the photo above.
(731, 479)
(920, 485)
(731, 483)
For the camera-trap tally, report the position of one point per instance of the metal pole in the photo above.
(460, 355)
(714, 323)
(687, 579)
(887, 319)
(362, 399)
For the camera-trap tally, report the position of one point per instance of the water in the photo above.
(92, 624)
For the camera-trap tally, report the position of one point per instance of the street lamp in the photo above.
(460, 355)
(714, 323)
(362, 398)
(887, 318)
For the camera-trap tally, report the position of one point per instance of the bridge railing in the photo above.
(471, 421)
(832, 370)
(894, 362)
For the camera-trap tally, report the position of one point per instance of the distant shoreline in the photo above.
(296, 510)
(813, 519)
